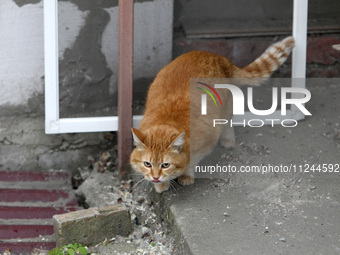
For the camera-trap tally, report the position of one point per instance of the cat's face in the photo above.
(158, 155)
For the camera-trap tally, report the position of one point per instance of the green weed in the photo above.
(70, 249)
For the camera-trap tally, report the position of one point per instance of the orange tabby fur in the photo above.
(162, 142)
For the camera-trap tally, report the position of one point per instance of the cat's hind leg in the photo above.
(227, 139)
(188, 176)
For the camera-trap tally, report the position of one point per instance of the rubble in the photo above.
(102, 188)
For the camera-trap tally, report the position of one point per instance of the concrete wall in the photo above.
(88, 51)
(323, 16)
(322, 60)
(202, 11)
(88, 57)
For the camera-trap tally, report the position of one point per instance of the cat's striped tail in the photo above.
(268, 62)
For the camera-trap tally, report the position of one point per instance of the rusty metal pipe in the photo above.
(125, 85)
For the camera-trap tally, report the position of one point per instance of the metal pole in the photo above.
(300, 20)
(125, 85)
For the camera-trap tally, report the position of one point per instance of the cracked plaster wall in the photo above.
(88, 66)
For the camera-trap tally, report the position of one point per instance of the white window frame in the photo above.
(53, 123)
(56, 125)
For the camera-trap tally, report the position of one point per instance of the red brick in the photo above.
(24, 231)
(13, 195)
(241, 51)
(217, 46)
(12, 176)
(26, 247)
(73, 202)
(246, 50)
(320, 50)
(20, 212)
(322, 72)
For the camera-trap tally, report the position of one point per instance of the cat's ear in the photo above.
(138, 137)
(177, 143)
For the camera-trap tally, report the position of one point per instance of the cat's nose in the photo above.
(155, 179)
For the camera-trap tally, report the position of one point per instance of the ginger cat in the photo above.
(162, 141)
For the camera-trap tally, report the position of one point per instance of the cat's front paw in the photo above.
(185, 180)
(160, 187)
(227, 143)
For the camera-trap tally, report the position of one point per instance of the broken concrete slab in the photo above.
(92, 226)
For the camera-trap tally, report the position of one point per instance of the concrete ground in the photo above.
(271, 213)
(296, 212)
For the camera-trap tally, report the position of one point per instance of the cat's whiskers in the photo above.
(137, 174)
(172, 176)
(176, 183)
(141, 181)
(172, 184)
(146, 184)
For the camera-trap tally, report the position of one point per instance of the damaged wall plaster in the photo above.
(21, 48)
(88, 63)
(88, 52)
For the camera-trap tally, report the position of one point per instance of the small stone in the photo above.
(95, 166)
(127, 186)
(35, 252)
(64, 146)
(7, 142)
(101, 167)
(109, 136)
(282, 239)
(140, 200)
(7, 252)
(105, 156)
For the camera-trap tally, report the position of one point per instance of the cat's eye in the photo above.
(165, 165)
(147, 164)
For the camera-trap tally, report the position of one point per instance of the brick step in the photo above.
(26, 247)
(32, 195)
(19, 212)
(24, 231)
(26, 221)
(41, 185)
(28, 201)
(61, 203)
(14, 176)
